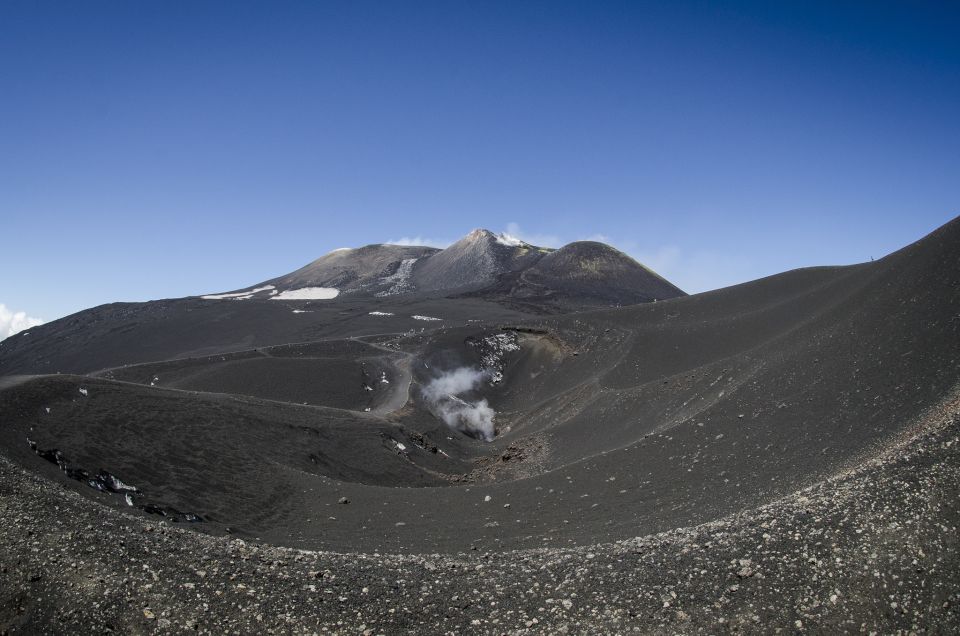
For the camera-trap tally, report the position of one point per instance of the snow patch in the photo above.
(418, 317)
(399, 281)
(380, 313)
(308, 293)
(492, 349)
(83, 392)
(113, 483)
(244, 295)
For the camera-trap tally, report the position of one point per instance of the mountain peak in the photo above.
(475, 261)
(478, 233)
(502, 238)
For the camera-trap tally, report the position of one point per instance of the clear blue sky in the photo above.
(163, 149)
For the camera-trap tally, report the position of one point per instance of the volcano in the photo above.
(493, 437)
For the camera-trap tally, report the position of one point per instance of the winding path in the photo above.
(401, 385)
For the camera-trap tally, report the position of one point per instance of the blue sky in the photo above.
(165, 149)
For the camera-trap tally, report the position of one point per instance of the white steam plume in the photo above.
(474, 419)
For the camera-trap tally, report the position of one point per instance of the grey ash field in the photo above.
(310, 454)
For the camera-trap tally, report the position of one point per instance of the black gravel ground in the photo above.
(871, 551)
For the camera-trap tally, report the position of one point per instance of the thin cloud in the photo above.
(664, 260)
(599, 238)
(695, 272)
(12, 322)
(419, 241)
(540, 240)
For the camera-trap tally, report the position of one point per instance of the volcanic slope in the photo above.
(348, 292)
(381, 269)
(476, 261)
(579, 276)
(611, 424)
